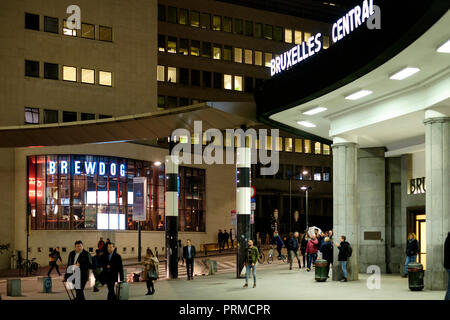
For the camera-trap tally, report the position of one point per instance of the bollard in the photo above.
(321, 270)
(44, 284)
(14, 287)
(415, 276)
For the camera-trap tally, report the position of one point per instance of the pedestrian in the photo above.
(105, 246)
(189, 255)
(101, 243)
(303, 244)
(344, 254)
(231, 238)
(151, 271)
(293, 249)
(220, 240)
(55, 255)
(327, 252)
(312, 247)
(278, 242)
(112, 269)
(180, 252)
(79, 258)
(97, 268)
(447, 264)
(330, 235)
(226, 236)
(250, 262)
(412, 249)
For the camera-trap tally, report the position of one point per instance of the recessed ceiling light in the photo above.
(358, 95)
(314, 111)
(404, 73)
(444, 48)
(306, 124)
(157, 163)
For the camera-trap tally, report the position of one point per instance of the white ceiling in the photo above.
(395, 111)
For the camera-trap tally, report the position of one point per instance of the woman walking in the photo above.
(151, 271)
(412, 249)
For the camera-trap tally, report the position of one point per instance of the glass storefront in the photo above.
(73, 192)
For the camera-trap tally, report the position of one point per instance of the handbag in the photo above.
(152, 274)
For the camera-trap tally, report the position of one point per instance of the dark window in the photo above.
(227, 22)
(171, 102)
(248, 84)
(31, 115)
(278, 34)
(205, 21)
(69, 116)
(238, 26)
(258, 30)
(161, 101)
(249, 28)
(289, 171)
(31, 21)
(87, 116)
(32, 68)
(184, 47)
(172, 44)
(218, 80)
(206, 50)
(104, 116)
(195, 48)
(183, 17)
(184, 76)
(195, 77)
(279, 174)
(268, 32)
(227, 53)
(326, 174)
(88, 30)
(172, 15)
(51, 24)
(161, 12)
(207, 79)
(50, 71)
(195, 18)
(161, 43)
(184, 102)
(258, 83)
(50, 116)
(105, 33)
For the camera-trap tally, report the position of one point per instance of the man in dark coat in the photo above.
(54, 257)
(327, 252)
(293, 246)
(79, 258)
(343, 255)
(412, 249)
(447, 263)
(112, 269)
(226, 236)
(189, 255)
(220, 239)
(231, 238)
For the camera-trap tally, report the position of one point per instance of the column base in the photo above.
(435, 279)
(172, 246)
(243, 235)
(352, 271)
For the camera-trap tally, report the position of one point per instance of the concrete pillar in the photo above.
(437, 165)
(172, 216)
(243, 196)
(345, 209)
(372, 208)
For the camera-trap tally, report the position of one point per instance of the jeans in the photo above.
(344, 268)
(313, 257)
(279, 250)
(303, 257)
(447, 295)
(408, 260)
(293, 254)
(247, 272)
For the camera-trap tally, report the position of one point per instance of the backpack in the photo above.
(349, 250)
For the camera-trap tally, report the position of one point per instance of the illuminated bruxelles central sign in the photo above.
(87, 167)
(342, 27)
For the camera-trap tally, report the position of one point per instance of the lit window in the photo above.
(183, 47)
(161, 43)
(307, 146)
(288, 144)
(317, 148)
(297, 37)
(69, 32)
(326, 42)
(238, 55)
(288, 35)
(267, 59)
(268, 143)
(183, 17)
(195, 18)
(105, 78)
(217, 52)
(238, 83)
(160, 73)
(88, 31)
(195, 48)
(172, 44)
(69, 73)
(171, 74)
(31, 115)
(227, 82)
(298, 145)
(87, 76)
(248, 56)
(279, 144)
(105, 33)
(326, 174)
(258, 58)
(317, 174)
(326, 149)
(307, 36)
(216, 23)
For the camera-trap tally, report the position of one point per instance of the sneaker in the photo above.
(308, 269)
(290, 268)
(405, 276)
(148, 293)
(254, 285)
(344, 280)
(246, 285)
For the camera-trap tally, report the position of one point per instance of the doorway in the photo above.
(417, 225)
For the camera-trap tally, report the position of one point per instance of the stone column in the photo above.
(372, 208)
(345, 208)
(243, 195)
(172, 216)
(437, 175)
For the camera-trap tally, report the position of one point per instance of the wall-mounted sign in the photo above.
(87, 167)
(416, 186)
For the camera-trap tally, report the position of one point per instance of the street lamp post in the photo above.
(304, 188)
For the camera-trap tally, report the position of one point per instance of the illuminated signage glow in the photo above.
(87, 167)
(352, 20)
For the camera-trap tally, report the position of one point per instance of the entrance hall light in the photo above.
(444, 48)
(358, 95)
(404, 73)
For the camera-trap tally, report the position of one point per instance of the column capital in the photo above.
(436, 120)
(345, 144)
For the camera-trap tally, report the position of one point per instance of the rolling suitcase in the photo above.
(70, 292)
(122, 291)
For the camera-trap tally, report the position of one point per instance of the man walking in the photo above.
(278, 242)
(79, 258)
(231, 238)
(344, 253)
(250, 263)
(447, 263)
(220, 239)
(293, 249)
(226, 236)
(97, 268)
(112, 269)
(54, 257)
(189, 255)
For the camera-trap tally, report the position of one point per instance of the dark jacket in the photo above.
(327, 251)
(55, 255)
(220, 236)
(186, 254)
(226, 236)
(293, 244)
(231, 235)
(412, 248)
(85, 261)
(447, 252)
(115, 269)
(278, 241)
(303, 244)
(343, 251)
